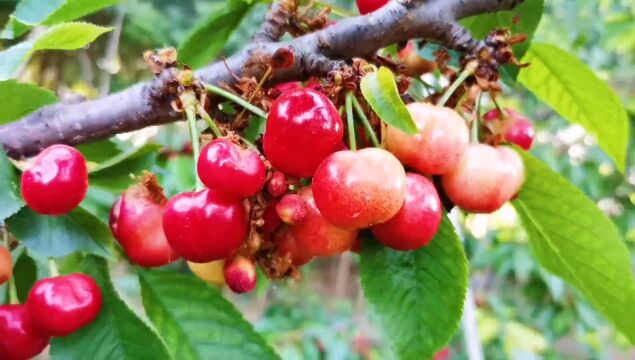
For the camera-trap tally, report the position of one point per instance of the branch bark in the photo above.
(316, 53)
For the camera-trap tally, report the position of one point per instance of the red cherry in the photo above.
(519, 129)
(136, 221)
(277, 184)
(57, 182)
(63, 304)
(437, 147)
(229, 169)
(288, 246)
(357, 189)
(415, 63)
(316, 235)
(368, 6)
(19, 339)
(303, 127)
(240, 274)
(418, 220)
(271, 219)
(6, 265)
(204, 226)
(288, 87)
(292, 209)
(486, 178)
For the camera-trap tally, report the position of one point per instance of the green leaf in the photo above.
(12, 58)
(573, 239)
(10, 200)
(24, 99)
(578, 95)
(25, 273)
(99, 151)
(33, 12)
(115, 174)
(380, 91)
(417, 295)
(59, 236)
(75, 9)
(68, 36)
(196, 321)
(14, 28)
(209, 37)
(117, 333)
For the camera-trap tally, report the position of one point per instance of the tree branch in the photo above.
(316, 53)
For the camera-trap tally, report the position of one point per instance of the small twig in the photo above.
(208, 119)
(350, 122)
(466, 73)
(235, 98)
(365, 122)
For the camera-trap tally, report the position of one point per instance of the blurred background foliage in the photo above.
(523, 312)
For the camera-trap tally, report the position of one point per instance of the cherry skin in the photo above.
(438, 146)
(240, 274)
(415, 63)
(211, 272)
(303, 127)
(519, 130)
(228, 168)
(486, 178)
(57, 182)
(368, 6)
(63, 304)
(19, 339)
(288, 246)
(271, 219)
(417, 221)
(204, 226)
(288, 87)
(6, 265)
(292, 209)
(136, 221)
(277, 185)
(316, 235)
(358, 189)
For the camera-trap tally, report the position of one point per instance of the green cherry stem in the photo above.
(208, 119)
(350, 122)
(235, 98)
(53, 271)
(466, 73)
(13, 293)
(190, 102)
(365, 122)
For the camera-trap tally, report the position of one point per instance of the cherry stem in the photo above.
(350, 122)
(365, 122)
(466, 73)
(208, 119)
(53, 271)
(196, 145)
(13, 294)
(235, 98)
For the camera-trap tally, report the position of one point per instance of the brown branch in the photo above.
(316, 54)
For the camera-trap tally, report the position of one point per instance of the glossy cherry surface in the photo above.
(204, 226)
(240, 274)
(486, 178)
(368, 6)
(438, 146)
(316, 235)
(417, 221)
(292, 209)
(303, 127)
(518, 129)
(57, 181)
(136, 221)
(6, 265)
(19, 339)
(357, 189)
(228, 168)
(277, 184)
(62, 305)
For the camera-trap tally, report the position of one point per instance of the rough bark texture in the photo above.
(316, 53)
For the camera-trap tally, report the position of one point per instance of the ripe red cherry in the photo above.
(368, 6)
(415, 63)
(63, 304)
(417, 221)
(357, 189)
(437, 147)
(6, 265)
(240, 274)
(288, 246)
(303, 127)
(316, 235)
(136, 221)
(227, 168)
(57, 182)
(204, 226)
(292, 209)
(486, 178)
(19, 339)
(517, 129)
(271, 219)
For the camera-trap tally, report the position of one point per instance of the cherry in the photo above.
(277, 184)
(57, 182)
(228, 168)
(485, 179)
(211, 272)
(288, 246)
(63, 304)
(288, 87)
(417, 222)
(271, 219)
(6, 265)
(316, 235)
(136, 221)
(368, 6)
(518, 129)
(240, 274)
(415, 63)
(292, 209)
(19, 339)
(357, 189)
(437, 147)
(303, 127)
(204, 226)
